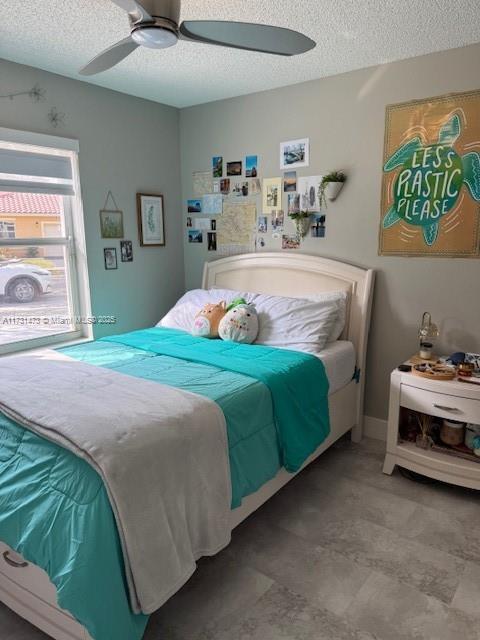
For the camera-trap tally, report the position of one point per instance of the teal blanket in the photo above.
(54, 508)
(297, 382)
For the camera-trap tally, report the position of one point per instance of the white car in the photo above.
(23, 282)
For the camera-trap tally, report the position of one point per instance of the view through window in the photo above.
(35, 288)
(43, 271)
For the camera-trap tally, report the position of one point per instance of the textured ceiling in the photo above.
(62, 35)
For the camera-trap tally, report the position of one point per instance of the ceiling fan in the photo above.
(156, 24)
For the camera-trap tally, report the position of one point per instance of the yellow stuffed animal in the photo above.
(208, 319)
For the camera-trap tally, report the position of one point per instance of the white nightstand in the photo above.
(445, 399)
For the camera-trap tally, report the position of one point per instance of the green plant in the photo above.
(333, 176)
(300, 215)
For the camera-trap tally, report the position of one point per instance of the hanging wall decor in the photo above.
(151, 220)
(36, 94)
(111, 220)
(431, 180)
(56, 118)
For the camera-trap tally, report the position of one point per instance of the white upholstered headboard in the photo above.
(299, 275)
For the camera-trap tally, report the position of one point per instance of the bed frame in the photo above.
(26, 588)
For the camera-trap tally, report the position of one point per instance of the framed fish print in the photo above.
(151, 223)
(431, 178)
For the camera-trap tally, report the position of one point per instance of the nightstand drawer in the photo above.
(440, 404)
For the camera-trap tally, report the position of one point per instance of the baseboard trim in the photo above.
(375, 428)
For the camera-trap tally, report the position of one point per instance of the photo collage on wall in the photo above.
(234, 210)
(221, 214)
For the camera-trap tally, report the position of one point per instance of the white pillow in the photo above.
(292, 323)
(339, 298)
(296, 323)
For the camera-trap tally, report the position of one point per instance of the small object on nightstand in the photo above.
(452, 432)
(457, 358)
(428, 330)
(472, 431)
(406, 368)
(426, 350)
(476, 446)
(434, 372)
(466, 369)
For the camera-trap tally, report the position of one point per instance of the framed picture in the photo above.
(111, 224)
(217, 166)
(151, 223)
(110, 258)
(234, 168)
(126, 251)
(431, 178)
(295, 154)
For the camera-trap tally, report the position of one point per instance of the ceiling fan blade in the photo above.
(110, 57)
(135, 9)
(244, 35)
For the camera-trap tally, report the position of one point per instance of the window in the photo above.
(44, 295)
(7, 229)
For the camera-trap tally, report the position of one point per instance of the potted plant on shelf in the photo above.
(330, 187)
(302, 221)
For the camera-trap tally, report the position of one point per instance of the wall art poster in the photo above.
(272, 194)
(290, 181)
(262, 224)
(234, 168)
(195, 236)
(251, 166)
(278, 221)
(202, 183)
(308, 189)
(225, 186)
(293, 203)
(151, 221)
(295, 154)
(255, 187)
(290, 242)
(212, 204)
(431, 178)
(217, 166)
(240, 189)
(236, 228)
(212, 241)
(194, 206)
(318, 228)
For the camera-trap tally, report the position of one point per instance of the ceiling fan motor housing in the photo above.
(167, 9)
(159, 35)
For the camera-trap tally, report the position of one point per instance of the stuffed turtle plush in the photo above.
(430, 180)
(208, 319)
(240, 324)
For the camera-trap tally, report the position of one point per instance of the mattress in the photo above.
(339, 360)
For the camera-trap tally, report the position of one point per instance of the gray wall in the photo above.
(126, 145)
(344, 116)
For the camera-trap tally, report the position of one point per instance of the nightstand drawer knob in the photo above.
(445, 408)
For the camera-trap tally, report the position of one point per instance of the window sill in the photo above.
(47, 347)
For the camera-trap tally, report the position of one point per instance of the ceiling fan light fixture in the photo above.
(154, 37)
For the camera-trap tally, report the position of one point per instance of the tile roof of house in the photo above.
(30, 203)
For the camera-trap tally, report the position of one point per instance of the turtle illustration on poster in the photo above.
(431, 185)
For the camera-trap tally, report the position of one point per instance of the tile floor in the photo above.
(342, 553)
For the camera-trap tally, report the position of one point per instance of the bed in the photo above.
(26, 588)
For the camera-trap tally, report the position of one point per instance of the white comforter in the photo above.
(161, 452)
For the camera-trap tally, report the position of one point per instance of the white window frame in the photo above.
(76, 267)
(2, 231)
